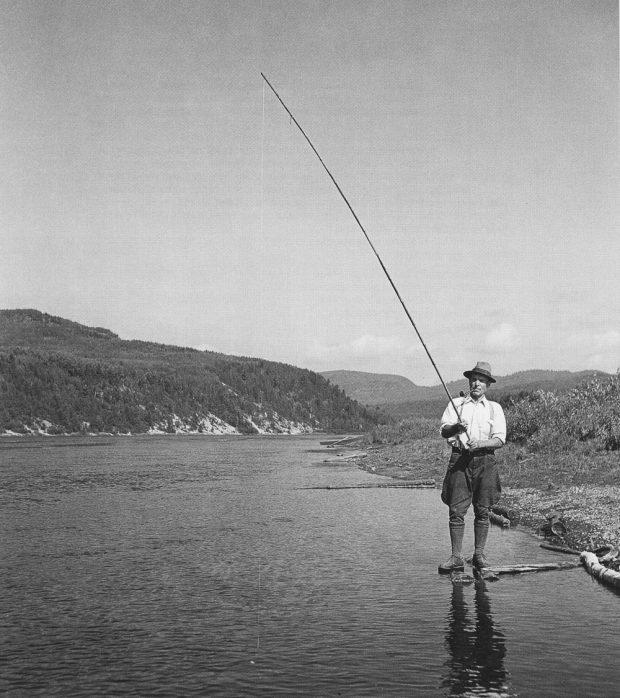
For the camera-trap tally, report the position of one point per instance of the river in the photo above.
(187, 566)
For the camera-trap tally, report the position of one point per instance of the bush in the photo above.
(590, 412)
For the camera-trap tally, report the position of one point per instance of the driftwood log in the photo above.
(499, 520)
(602, 573)
(346, 457)
(412, 484)
(341, 442)
(560, 549)
(511, 514)
(535, 567)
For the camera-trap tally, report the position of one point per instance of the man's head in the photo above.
(480, 378)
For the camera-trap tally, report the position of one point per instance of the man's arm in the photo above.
(493, 443)
(450, 423)
(498, 435)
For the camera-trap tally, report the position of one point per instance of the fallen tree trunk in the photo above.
(499, 520)
(341, 442)
(560, 549)
(602, 573)
(346, 457)
(414, 484)
(511, 514)
(535, 567)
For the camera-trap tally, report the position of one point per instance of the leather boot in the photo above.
(481, 531)
(455, 563)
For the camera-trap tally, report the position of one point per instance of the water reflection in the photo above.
(476, 646)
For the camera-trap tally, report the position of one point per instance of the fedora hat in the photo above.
(482, 368)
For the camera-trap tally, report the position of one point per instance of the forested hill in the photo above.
(57, 376)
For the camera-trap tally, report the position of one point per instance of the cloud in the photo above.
(370, 345)
(597, 350)
(502, 338)
(606, 340)
(364, 353)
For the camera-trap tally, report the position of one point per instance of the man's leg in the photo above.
(481, 532)
(459, 499)
(486, 492)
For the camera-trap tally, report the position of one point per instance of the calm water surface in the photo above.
(171, 566)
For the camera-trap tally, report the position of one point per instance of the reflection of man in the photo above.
(476, 654)
(475, 431)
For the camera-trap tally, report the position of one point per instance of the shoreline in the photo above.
(589, 511)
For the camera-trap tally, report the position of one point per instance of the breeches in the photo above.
(471, 479)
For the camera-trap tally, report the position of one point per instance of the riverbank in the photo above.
(579, 485)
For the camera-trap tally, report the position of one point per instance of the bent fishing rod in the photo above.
(357, 220)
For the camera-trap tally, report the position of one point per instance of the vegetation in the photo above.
(589, 413)
(73, 378)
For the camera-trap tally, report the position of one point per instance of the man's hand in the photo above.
(476, 445)
(450, 430)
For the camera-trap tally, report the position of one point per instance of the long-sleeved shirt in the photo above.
(485, 420)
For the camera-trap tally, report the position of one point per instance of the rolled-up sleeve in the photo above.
(499, 423)
(448, 417)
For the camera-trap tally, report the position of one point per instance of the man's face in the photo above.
(478, 385)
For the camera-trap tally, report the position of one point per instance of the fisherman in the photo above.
(475, 431)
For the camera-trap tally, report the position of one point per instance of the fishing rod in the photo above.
(357, 220)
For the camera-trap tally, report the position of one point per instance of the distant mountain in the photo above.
(57, 376)
(377, 388)
(398, 396)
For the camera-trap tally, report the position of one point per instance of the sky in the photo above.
(152, 184)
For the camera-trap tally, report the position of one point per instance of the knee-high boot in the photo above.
(456, 538)
(481, 531)
(456, 562)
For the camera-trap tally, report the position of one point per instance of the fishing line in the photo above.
(357, 220)
(262, 168)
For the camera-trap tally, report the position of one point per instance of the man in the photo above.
(472, 476)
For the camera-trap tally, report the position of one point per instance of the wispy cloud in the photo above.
(599, 350)
(364, 353)
(502, 338)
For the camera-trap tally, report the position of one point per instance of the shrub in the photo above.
(590, 412)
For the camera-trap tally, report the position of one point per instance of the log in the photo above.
(511, 514)
(413, 484)
(486, 573)
(560, 549)
(608, 557)
(499, 520)
(535, 567)
(341, 442)
(345, 457)
(602, 573)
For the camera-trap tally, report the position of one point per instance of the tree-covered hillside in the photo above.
(58, 376)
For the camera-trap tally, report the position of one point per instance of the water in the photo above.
(179, 566)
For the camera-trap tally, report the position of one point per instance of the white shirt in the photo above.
(485, 420)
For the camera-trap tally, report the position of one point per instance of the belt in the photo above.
(479, 452)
